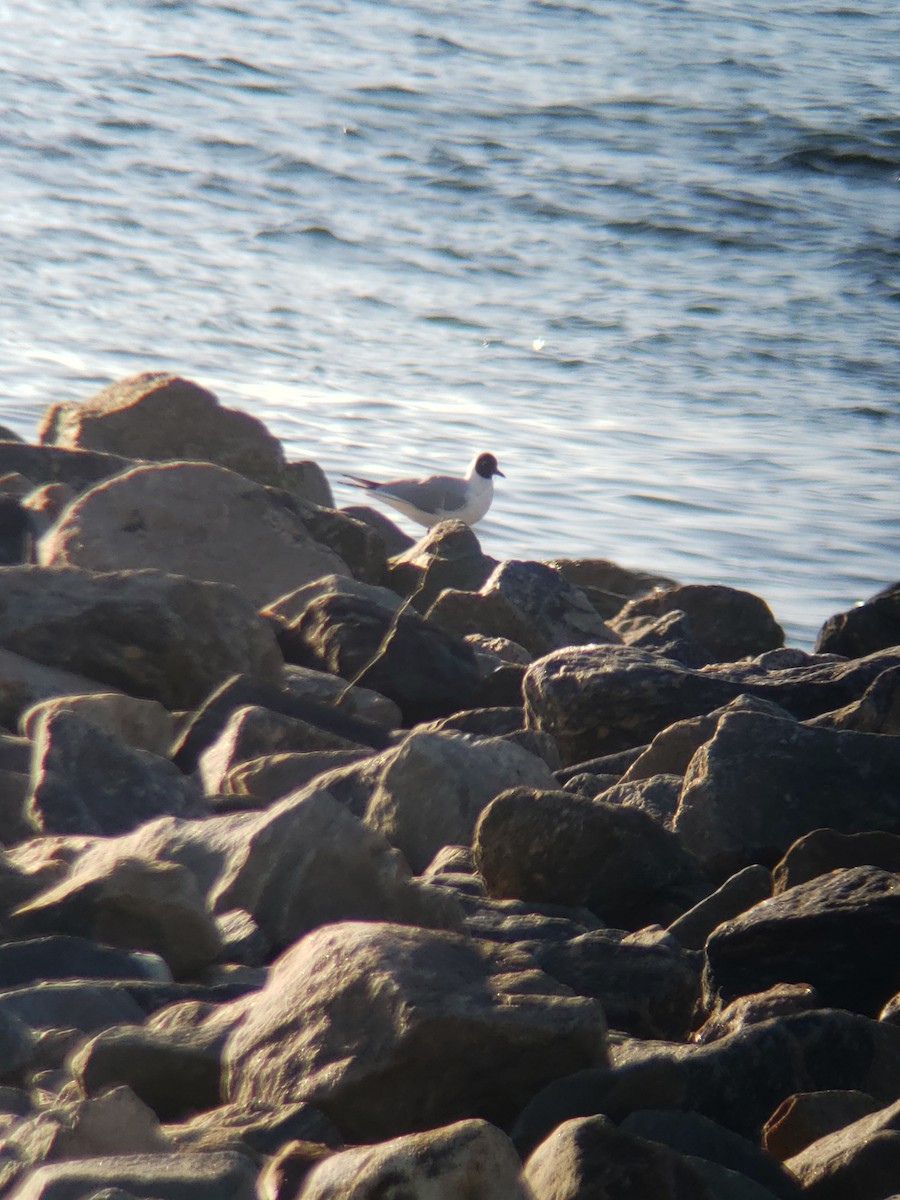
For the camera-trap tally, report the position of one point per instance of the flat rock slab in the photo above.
(389, 1029)
(193, 519)
(148, 633)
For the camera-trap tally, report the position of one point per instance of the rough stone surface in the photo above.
(77, 469)
(191, 519)
(861, 1160)
(143, 1176)
(448, 556)
(607, 584)
(163, 417)
(470, 1158)
(526, 602)
(727, 623)
(432, 791)
(588, 1158)
(825, 850)
(329, 689)
(31, 960)
(833, 933)
(776, 1001)
(261, 781)
(876, 711)
(807, 1116)
(760, 783)
(451, 1029)
(134, 904)
(864, 629)
(555, 847)
(84, 780)
(142, 724)
(306, 862)
(738, 893)
(154, 635)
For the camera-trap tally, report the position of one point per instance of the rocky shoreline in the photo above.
(338, 865)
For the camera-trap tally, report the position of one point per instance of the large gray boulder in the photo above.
(391, 1030)
(306, 861)
(148, 633)
(179, 1176)
(760, 783)
(470, 1158)
(433, 789)
(193, 519)
(831, 932)
(84, 780)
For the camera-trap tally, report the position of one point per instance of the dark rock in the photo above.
(448, 556)
(24, 682)
(656, 796)
(833, 933)
(306, 684)
(876, 711)
(434, 787)
(728, 623)
(175, 1075)
(77, 469)
(133, 904)
(194, 519)
(210, 719)
(306, 861)
(825, 850)
(738, 893)
(353, 541)
(861, 1160)
(142, 724)
(615, 765)
(865, 628)
(699, 1137)
(606, 584)
(161, 636)
(760, 783)
(555, 847)
(16, 532)
(17, 1043)
(668, 636)
(486, 722)
(180, 1176)
(526, 602)
(428, 672)
(32, 960)
(589, 1157)
(777, 1001)
(802, 1119)
(646, 983)
(394, 539)
(259, 782)
(260, 1131)
(84, 780)
(452, 1028)
(83, 1005)
(468, 1158)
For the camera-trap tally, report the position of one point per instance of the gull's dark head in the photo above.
(486, 466)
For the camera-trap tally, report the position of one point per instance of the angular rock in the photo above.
(29, 961)
(590, 1157)
(16, 532)
(394, 539)
(359, 636)
(470, 1158)
(253, 731)
(263, 1130)
(116, 1123)
(777, 1001)
(525, 602)
(192, 519)
(728, 624)
(174, 1074)
(760, 783)
(448, 556)
(84, 780)
(173, 1176)
(432, 791)
(44, 504)
(329, 689)
(600, 700)
(701, 1138)
(77, 469)
(24, 683)
(861, 1160)
(646, 983)
(832, 933)
(142, 724)
(160, 636)
(17, 1044)
(69, 1004)
(876, 711)
(657, 796)
(451, 1029)
(865, 628)
(607, 584)
(134, 904)
(163, 418)
(826, 850)
(306, 862)
(555, 847)
(262, 781)
(738, 893)
(354, 542)
(807, 1116)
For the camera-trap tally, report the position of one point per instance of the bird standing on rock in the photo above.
(439, 497)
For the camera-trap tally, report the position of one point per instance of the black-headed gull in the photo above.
(439, 497)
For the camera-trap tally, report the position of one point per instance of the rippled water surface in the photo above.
(646, 251)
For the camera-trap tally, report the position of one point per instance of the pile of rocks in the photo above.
(335, 865)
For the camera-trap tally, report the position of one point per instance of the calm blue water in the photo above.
(644, 250)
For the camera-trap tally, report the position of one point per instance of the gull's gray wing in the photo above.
(437, 494)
